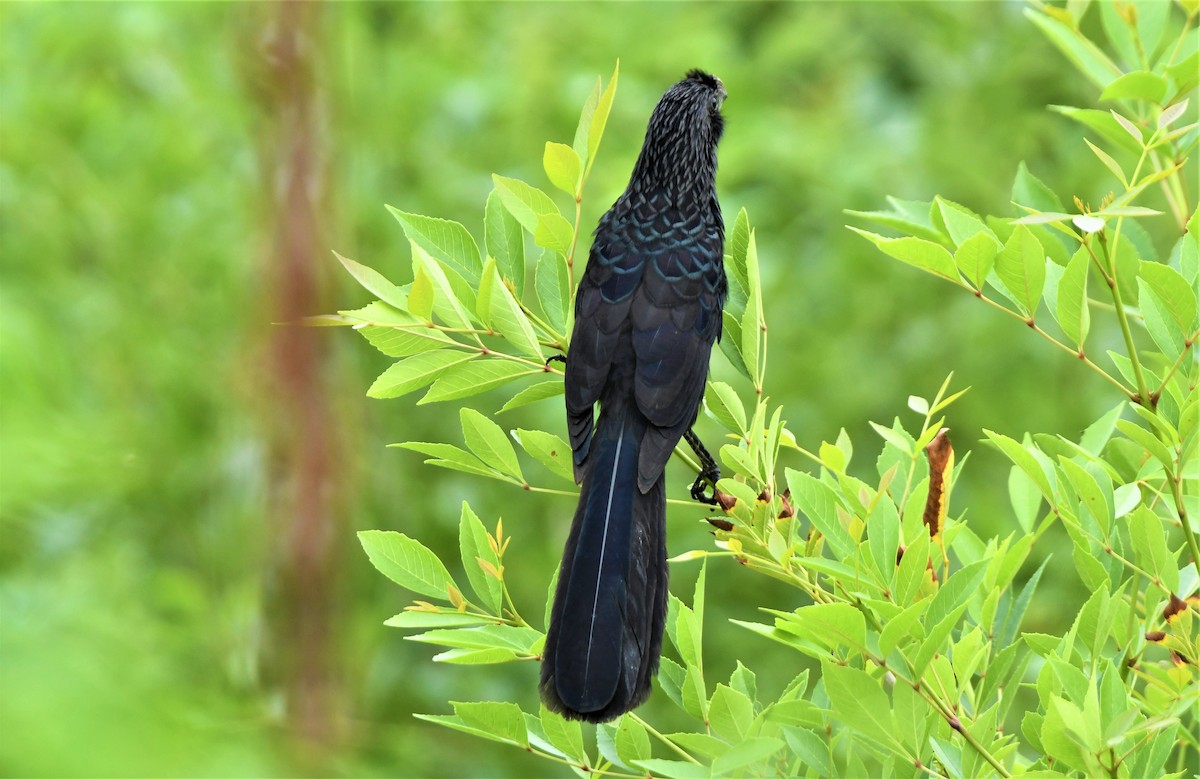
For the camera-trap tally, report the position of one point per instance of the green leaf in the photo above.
(404, 341)
(566, 735)
(894, 437)
(1021, 457)
(1171, 114)
(739, 241)
(975, 257)
(415, 372)
(375, 283)
(527, 204)
(563, 167)
(1150, 545)
(509, 637)
(1137, 85)
(1083, 54)
(1119, 33)
(501, 721)
(1063, 733)
(1028, 190)
(1106, 124)
(725, 406)
(505, 241)
(752, 319)
(550, 450)
(473, 545)
(448, 241)
(907, 216)
(554, 232)
(905, 626)
(450, 456)
(1090, 493)
(949, 755)
(1012, 621)
(600, 116)
(813, 750)
(961, 222)
(476, 656)
(1163, 329)
(1173, 290)
(420, 296)
(912, 571)
(830, 624)
(1114, 167)
(817, 501)
(1072, 309)
(695, 701)
(926, 255)
(553, 293)
(744, 681)
(533, 393)
(466, 379)
(935, 641)
(488, 442)
(423, 620)
(1147, 440)
(631, 741)
(580, 142)
(883, 536)
(731, 343)
(450, 302)
(673, 769)
(505, 315)
(1185, 74)
(1021, 267)
(406, 562)
(956, 591)
(729, 713)
(859, 701)
(745, 753)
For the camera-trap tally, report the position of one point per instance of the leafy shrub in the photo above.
(914, 619)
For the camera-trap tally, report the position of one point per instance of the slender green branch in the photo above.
(1083, 358)
(574, 241)
(1123, 320)
(1176, 480)
(1187, 348)
(670, 744)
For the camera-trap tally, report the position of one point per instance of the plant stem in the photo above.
(1177, 489)
(574, 242)
(1115, 288)
(1187, 347)
(670, 744)
(962, 731)
(1037, 329)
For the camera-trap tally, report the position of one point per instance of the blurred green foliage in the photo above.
(136, 533)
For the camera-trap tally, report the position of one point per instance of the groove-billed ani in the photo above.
(647, 313)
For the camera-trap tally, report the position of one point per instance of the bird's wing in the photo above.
(602, 305)
(676, 317)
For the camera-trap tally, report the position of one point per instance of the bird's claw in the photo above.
(556, 358)
(699, 487)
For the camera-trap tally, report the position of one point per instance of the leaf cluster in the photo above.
(914, 620)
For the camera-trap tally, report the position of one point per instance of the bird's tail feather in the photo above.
(605, 632)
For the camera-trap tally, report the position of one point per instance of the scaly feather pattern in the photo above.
(647, 313)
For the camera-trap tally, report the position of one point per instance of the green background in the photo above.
(152, 443)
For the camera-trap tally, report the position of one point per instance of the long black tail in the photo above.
(606, 626)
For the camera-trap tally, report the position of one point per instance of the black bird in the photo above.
(647, 313)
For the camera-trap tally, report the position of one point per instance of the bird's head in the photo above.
(684, 129)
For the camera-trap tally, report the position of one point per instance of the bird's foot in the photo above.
(700, 486)
(710, 472)
(556, 358)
